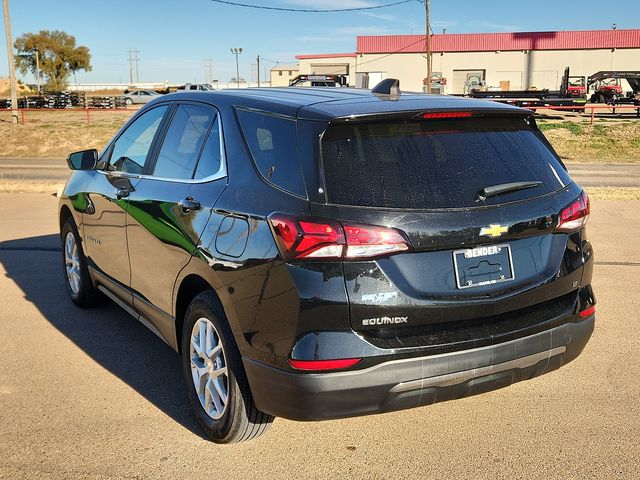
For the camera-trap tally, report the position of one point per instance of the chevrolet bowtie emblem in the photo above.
(493, 231)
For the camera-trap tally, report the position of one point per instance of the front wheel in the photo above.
(216, 381)
(78, 281)
(128, 101)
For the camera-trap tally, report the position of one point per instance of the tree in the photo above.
(55, 52)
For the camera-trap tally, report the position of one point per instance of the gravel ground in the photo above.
(94, 395)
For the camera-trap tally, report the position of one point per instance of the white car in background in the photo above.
(140, 96)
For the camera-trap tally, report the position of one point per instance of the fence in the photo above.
(24, 113)
(593, 109)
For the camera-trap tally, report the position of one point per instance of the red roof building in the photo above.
(490, 42)
(515, 61)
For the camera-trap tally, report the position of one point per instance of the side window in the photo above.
(131, 148)
(272, 141)
(183, 143)
(211, 156)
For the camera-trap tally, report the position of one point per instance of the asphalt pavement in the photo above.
(92, 394)
(586, 174)
(34, 169)
(605, 174)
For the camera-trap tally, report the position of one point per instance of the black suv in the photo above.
(325, 253)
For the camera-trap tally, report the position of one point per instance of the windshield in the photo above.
(436, 164)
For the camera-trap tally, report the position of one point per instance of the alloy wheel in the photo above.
(72, 262)
(209, 368)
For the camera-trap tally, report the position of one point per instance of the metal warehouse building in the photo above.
(508, 61)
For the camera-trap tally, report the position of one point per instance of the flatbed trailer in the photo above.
(316, 80)
(535, 98)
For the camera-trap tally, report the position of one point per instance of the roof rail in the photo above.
(388, 86)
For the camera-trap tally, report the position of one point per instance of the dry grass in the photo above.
(16, 186)
(52, 134)
(604, 141)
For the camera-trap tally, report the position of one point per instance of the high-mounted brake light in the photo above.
(434, 115)
(316, 238)
(317, 365)
(575, 215)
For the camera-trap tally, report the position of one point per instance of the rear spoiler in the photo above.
(444, 114)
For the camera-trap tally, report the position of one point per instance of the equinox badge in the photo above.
(493, 230)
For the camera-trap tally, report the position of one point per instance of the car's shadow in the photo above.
(107, 334)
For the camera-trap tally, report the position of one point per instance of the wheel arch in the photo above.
(190, 286)
(65, 214)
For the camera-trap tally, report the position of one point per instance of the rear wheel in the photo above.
(216, 381)
(78, 281)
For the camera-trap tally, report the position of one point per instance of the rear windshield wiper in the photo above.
(504, 188)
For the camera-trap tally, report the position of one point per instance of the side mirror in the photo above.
(84, 160)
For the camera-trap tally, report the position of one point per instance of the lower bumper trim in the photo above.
(466, 375)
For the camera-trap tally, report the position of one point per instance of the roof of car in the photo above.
(328, 103)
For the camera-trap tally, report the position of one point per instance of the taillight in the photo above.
(315, 238)
(318, 365)
(299, 238)
(575, 215)
(588, 311)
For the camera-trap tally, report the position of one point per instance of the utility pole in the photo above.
(38, 70)
(208, 70)
(12, 66)
(237, 52)
(427, 5)
(134, 58)
(258, 69)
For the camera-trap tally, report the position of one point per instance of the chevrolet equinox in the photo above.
(324, 253)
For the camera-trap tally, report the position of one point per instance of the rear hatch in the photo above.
(477, 198)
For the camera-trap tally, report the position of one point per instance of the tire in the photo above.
(128, 101)
(236, 419)
(76, 274)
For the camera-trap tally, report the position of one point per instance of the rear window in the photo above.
(273, 144)
(435, 164)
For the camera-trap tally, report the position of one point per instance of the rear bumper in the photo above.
(413, 382)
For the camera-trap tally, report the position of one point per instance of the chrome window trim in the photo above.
(221, 173)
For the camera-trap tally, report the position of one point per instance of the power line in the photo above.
(400, 50)
(309, 10)
(276, 61)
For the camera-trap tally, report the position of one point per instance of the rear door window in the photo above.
(435, 164)
(183, 142)
(272, 141)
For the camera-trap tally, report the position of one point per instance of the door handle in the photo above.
(189, 204)
(122, 193)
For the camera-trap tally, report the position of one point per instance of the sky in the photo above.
(174, 36)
